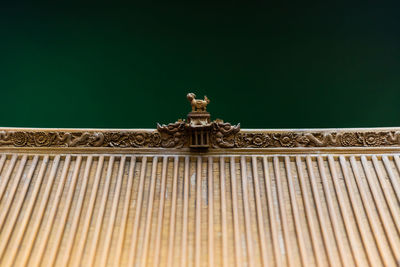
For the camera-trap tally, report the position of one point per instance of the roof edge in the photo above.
(222, 137)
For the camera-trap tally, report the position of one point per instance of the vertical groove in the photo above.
(89, 213)
(394, 182)
(312, 227)
(132, 249)
(99, 220)
(122, 229)
(173, 214)
(238, 251)
(210, 213)
(150, 202)
(372, 223)
(198, 214)
(2, 161)
(345, 214)
(11, 191)
(332, 214)
(356, 209)
(281, 204)
(271, 212)
(185, 213)
(299, 232)
(223, 213)
(322, 220)
(112, 216)
(393, 206)
(6, 178)
(396, 159)
(12, 217)
(65, 257)
(157, 253)
(64, 216)
(379, 202)
(51, 205)
(9, 257)
(37, 257)
(260, 219)
(247, 219)
(41, 211)
(16, 211)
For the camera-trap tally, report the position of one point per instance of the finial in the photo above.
(198, 131)
(198, 105)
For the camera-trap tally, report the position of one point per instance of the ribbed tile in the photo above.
(183, 210)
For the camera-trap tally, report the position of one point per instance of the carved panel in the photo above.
(318, 139)
(222, 135)
(79, 139)
(172, 135)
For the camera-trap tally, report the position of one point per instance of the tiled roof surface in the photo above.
(187, 209)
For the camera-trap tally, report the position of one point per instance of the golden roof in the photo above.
(327, 197)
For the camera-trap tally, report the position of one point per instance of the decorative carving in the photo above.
(42, 138)
(286, 139)
(349, 139)
(32, 138)
(198, 124)
(374, 139)
(198, 105)
(19, 138)
(223, 134)
(318, 139)
(172, 135)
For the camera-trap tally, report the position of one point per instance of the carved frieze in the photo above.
(223, 135)
(32, 138)
(173, 135)
(318, 139)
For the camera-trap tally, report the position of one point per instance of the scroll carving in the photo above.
(318, 139)
(173, 134)
(80, 139)
(222, 135)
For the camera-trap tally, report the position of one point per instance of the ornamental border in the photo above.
(77, 138)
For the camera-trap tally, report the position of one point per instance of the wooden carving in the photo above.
(104, 138)
(198, 104)
(318, 139)
(222, 135)
(172, 135)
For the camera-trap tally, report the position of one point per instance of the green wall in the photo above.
(266, 67)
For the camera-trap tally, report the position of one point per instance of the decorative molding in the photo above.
(40, 138)
(342, 138)
(223, 135)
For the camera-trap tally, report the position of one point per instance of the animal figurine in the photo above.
(198, 104)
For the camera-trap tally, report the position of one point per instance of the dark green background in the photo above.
(102, 66)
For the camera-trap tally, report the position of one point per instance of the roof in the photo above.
(236, 198)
